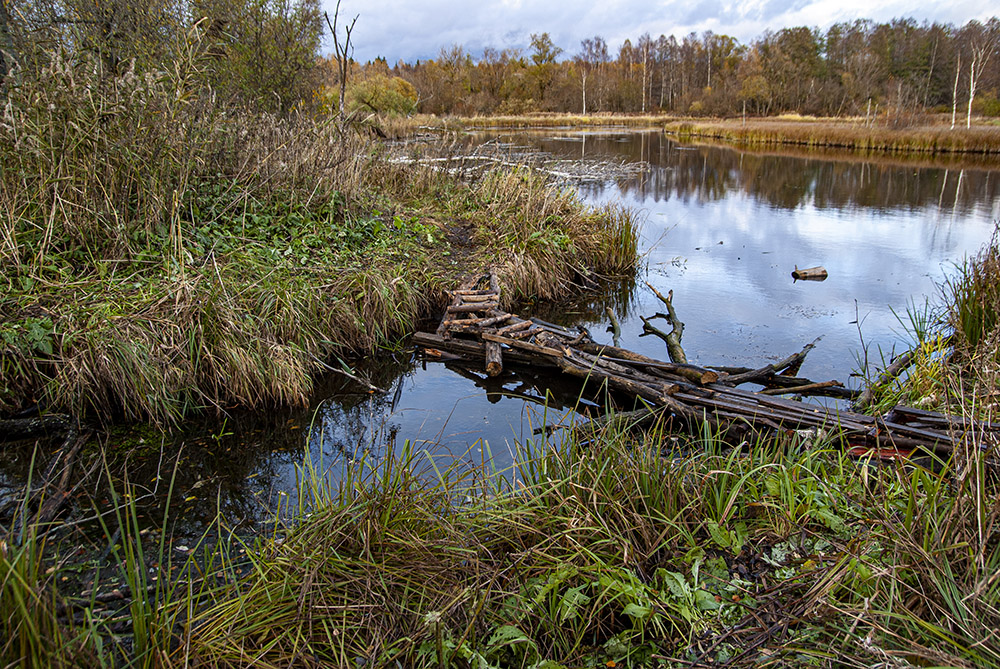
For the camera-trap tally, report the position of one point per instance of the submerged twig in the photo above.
(615, 328)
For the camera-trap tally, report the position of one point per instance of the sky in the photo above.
(418, 29)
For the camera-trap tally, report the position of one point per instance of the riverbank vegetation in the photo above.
(891, 74)
(852, 134)
(631, 549)
(163, 250)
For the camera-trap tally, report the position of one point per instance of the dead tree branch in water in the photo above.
(673, 338)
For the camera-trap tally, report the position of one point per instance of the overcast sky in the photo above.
(418, 29)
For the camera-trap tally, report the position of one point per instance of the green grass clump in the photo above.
(620, 550)
(955, 357)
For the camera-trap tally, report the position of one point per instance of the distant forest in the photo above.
(265, 55)
(858, 68)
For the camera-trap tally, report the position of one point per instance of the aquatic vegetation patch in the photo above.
(855, 135)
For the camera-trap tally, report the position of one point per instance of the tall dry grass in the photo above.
(544, 242)
(933, 139)
(161, 253)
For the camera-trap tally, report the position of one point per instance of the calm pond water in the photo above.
(722, 228)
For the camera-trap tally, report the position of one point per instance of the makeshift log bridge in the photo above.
(475, 328)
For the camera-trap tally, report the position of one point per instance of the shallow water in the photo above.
(722, 228)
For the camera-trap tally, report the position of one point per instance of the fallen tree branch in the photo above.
(615, 328)
(791, 364)
(804, 388)
(673, 338)
(889, 374)
(778, 381)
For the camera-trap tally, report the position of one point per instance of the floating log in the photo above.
(817, 273)
(692, 373)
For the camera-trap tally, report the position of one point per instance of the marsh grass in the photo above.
(162, 254)
(931, 138)
(544, 241)
(624, 549)
(642, 549)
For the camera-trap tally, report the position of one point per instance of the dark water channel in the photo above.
(722, 228)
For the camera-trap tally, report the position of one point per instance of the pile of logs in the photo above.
(476, 329)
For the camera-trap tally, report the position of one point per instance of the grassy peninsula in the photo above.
(161, 254)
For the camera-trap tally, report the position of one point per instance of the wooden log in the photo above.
(484, 321)
(494, 358)
(475, 325)
(760, 412)
(789, 382)
(523, 334)
(792, 362)
(658, 396)
(484, 297)
(804, 388)
(466, 293)
(516, 327)
(527, 346)
(615, 367)
(471, 308)
(817, 273)
(692, 373)
(905, 414)
(553, 328)
(475, 350)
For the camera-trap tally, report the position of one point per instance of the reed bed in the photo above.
(854, 135)
(161, 254)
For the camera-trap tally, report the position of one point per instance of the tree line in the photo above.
(856, 68)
